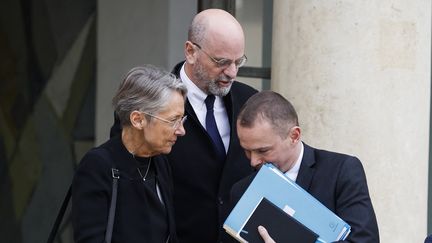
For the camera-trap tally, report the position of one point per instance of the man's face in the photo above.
(212, 78)
(206, 69)
(262, 144)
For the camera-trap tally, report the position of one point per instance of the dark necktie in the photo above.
(212, 128)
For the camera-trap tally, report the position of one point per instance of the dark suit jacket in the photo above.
(91, 196)
(202, 184)
(338, 181)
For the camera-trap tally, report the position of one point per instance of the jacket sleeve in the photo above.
(353, 203)
(91, 195)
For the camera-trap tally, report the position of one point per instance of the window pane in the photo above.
(256, 18)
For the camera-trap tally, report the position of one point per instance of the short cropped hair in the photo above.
(269, 106)
(146, 88)
(197, 30)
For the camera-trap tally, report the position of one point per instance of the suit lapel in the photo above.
(306, 172)
(192, 116)
(230, 110)
(190, 112)
(227, 99)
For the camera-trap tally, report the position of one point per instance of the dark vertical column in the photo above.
(228, 5)
(267, 40)
(429, 205)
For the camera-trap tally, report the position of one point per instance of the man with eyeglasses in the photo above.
(208, 160)
(214, 51)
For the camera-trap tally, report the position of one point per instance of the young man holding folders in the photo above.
(269, 131)
(208, 160)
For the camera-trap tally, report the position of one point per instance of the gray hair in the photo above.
(146, 89)
(197, 29)
(269, 106)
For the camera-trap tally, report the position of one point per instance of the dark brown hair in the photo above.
(269, 106)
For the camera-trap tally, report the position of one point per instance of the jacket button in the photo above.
(220, 201)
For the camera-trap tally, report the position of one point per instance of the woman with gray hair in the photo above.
(150, 107)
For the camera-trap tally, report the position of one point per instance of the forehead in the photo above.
(260, 135)
(224, 44)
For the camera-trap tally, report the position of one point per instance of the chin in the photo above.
(167, 150)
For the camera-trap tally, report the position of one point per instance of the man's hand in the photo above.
(265, 235)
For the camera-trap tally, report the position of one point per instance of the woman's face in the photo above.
(159, 135)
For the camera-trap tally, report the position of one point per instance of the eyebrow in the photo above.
(216, 58)
(261, 148)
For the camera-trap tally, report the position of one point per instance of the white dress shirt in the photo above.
(196, 98)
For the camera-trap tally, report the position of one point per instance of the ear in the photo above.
(190, 52)
(137, 119)
(295, 134)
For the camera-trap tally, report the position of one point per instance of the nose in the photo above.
(180, 131)
(255, 160)
(231, 70)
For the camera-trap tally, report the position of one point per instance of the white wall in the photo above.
(358, 73)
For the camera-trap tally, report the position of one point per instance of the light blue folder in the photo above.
(294, 200)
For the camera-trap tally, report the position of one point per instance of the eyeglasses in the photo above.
(224, 62)
(174, 124)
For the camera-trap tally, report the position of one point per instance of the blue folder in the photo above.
(290, 197)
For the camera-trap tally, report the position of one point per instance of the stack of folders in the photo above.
(287, 211)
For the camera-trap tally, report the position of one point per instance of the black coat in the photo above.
(135, 217)
(201, 183)
(338, 181)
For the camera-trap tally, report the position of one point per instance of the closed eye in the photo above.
(262, 151)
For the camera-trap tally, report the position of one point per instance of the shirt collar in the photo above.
(293, 172)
